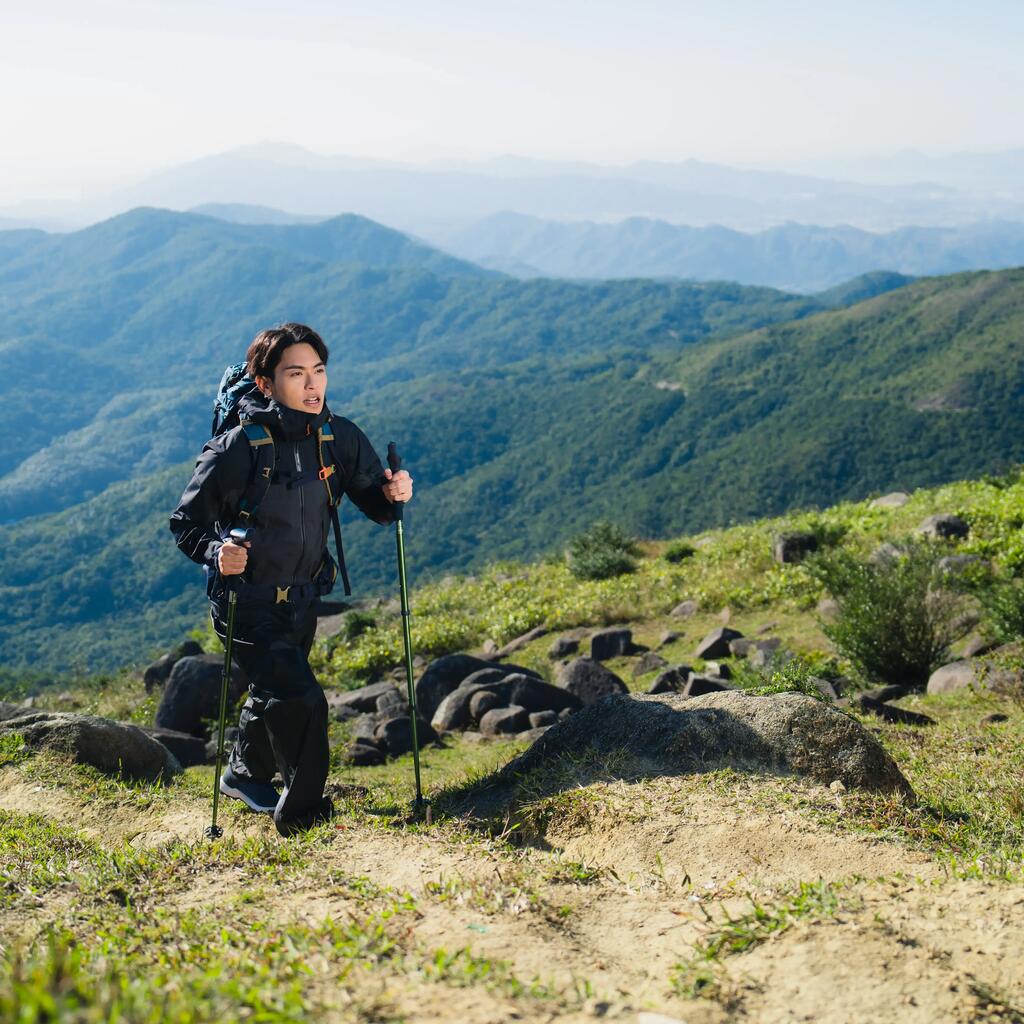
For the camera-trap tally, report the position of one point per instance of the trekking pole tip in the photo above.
(213, 832)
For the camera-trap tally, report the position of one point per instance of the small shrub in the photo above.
(896, 617)
(356, 623)
(1003, 604)
(603, 551)
(679, 551)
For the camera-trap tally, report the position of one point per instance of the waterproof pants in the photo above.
(283, 724)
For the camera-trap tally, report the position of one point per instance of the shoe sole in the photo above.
(237, 794)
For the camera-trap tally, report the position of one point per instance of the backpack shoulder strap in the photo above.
(331, 476)
(261, 446)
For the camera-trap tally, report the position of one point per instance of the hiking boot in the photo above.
(322, 812)
(260, 796)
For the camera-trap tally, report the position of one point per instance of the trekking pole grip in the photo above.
(395, 464)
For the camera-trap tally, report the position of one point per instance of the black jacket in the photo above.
(292, 523)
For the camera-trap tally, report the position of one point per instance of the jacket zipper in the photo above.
(302, 515)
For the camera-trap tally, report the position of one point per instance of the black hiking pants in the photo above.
(283, 724)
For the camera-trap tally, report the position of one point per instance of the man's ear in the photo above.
(264, 384)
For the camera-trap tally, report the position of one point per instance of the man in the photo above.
(285, 567)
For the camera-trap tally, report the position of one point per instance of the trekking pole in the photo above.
(239, 536)
(421, 805)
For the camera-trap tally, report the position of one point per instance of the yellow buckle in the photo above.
(282, 594)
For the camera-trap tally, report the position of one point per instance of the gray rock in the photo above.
(957, 565)
(685, 610)
(364, 728)
(672, 680)
(668, 734)
(896, 499)
(365, 698)
(763, 657)
(565, 713)
(979, 645)
(486, 675)
(793, 547)
(393, 701)
(562, 647)
(505, 721)
(958, 675)
(717, 670)
(446, 674)
(716, 643)
(527, 691)
(742, 647)
(192, 693)
(828, 608)
(613, 642)
(698, 685)
(893, 691)
(521, 641)
(669, 636)
(542, 719)
(158, 673)
(829, 689)
(394, 734)
(116, 748)
(944, 526)
(885, 554)
(489, 649)
(188, 749)
(589, 680)
(481, 702)
(532, 735)
(650, 662)
(363, 754)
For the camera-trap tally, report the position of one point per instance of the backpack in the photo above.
(235, 385)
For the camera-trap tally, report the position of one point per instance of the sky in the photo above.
(100, 91)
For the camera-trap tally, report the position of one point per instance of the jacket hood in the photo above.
(288, 424)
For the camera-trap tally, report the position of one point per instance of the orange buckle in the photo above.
(282, 594)
(325, 472)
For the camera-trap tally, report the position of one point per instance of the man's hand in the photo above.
(397, 486)
(231, 558)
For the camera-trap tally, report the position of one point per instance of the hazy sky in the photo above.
(96, 89)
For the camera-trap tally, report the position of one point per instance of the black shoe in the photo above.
(323, 811)
(260, 796)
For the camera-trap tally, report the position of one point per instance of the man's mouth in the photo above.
(312, 401)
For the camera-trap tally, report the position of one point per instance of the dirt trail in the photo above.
(913, 949)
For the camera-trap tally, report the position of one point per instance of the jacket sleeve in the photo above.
(363, 473)
(212, 496)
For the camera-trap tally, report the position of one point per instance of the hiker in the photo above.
(286, 566)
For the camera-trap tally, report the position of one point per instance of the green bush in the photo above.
(896, 617)
(1003, 604)
(603, 551)
(679, 551)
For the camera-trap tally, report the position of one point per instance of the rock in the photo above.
(395, 734)
(831, 691)
(158, 673)
(564, 714)
(672, 680)
(896, 499)
(697, 686)
(742, 647)
(717, 670)
(672, 735)
(472, 736)
(892, 691)
(446, 673)
(725, 616)
(364, 728)
(527, 691)
(481, 702)
(669, 636)
(530, 735)
(994, 718)
(793, 547)
(116, 748)
(505, 721)
(828, 608)
(363, 754)
(192, 693)
(957, 675)
(365, 698)
(613, 642)
(762, 657)
(521, 641)
(562, 647)
(891, 713)
(979, 645)
(494, 674)
(490, 648)
(542, 719)
(589, 680)
(716, 643)
(684, 610)
(337, 710)
(885, 554)
(188, 749)
(393, 701)
(957, 565)
(650, 662)
(944, 526)
(210, 749)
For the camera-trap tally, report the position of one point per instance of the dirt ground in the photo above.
(603, 905)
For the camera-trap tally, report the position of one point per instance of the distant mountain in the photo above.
(242, 213)
(794, 257)
(432, 199)
(526, 410)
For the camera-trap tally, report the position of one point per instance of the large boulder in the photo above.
(788, 733)
(613, 642)
(944, 526)
(158, 673)
(446, 673)
(589, 680)
(958, 675)
(793, 547)
(112, 747)
(895, 499)
(505, 721)
(529, 692)
(188, 749)
(192, 693)
(672, 680)
(716, 643)
(365, 698)
(394, 734)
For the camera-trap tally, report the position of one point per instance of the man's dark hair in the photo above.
(267, 347)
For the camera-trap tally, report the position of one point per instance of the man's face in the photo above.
(300, 379)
